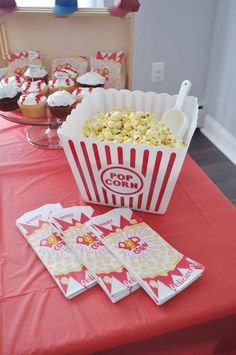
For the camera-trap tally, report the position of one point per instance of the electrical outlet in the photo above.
(157, 72)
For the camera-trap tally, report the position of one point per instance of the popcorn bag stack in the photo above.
(117, 250)
(110, 274)
(68, 272)
(160, 269)
(141, 177)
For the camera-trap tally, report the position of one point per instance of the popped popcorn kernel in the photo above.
(126, 125)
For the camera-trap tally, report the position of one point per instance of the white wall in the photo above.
(197, 40)
(221, 83)
(179, 33)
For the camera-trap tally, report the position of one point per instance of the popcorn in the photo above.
(125, 125)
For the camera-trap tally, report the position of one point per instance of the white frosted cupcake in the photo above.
(80, 93)
(39, 87)
(91, 80)
(32, 105)
(61, 103)
(15, 79)
(36, 74)
(66, 84)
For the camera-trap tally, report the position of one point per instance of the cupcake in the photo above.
(91, 80)
(32, 105)
(15, 79)
(39, 87)
(57, 84)
(80, 93)
(9, 94)
(37, 73)
(61, 103)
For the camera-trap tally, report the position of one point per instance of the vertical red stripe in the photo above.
(145, 162)
(140, 198)
(113, 199)
(108, 154)
(96, 156)
(75, 156)
(105, 195)
(165, 180)
(122, 201)
(154, 178)
(131, 200)
(132, 157)
(120, 155)
(90, 170)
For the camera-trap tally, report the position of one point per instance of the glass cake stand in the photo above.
(43, 133)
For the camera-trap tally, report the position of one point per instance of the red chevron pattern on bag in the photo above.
(116, 56)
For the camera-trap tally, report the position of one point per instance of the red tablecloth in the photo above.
(35, 316)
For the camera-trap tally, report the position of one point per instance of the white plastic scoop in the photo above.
(174, 118)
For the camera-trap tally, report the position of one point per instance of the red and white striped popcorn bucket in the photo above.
(141, 177)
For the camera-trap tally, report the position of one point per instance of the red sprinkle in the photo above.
(18, 79)
(38, 97)
(78, 90)
(27, 86)
(23, 97)
(39, 84)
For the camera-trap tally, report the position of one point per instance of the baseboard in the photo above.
(220, 137)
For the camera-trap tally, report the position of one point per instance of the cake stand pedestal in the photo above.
(43, 133)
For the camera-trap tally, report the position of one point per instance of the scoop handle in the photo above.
(183, 92)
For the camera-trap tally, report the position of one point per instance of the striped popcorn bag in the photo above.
(141, 177)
